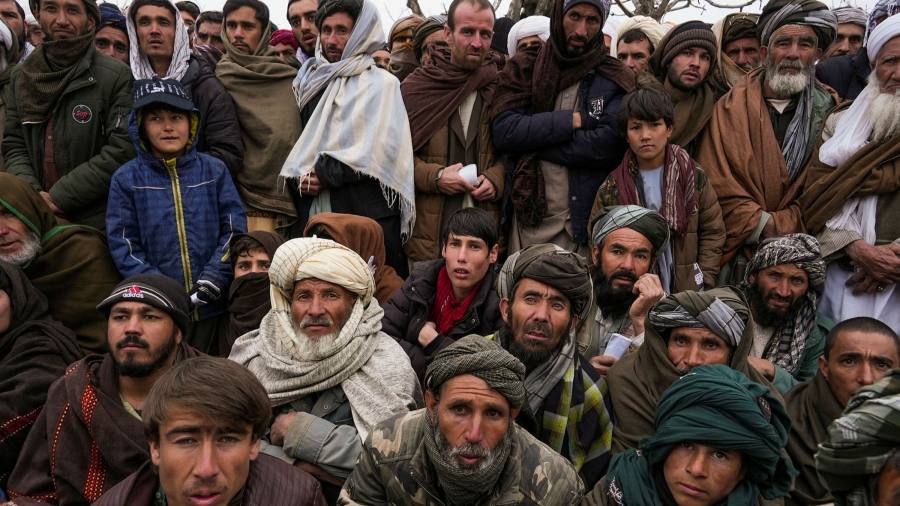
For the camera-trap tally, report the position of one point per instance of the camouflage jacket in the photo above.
(394, 469)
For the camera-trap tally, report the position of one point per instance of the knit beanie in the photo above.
(161, 292)
(690, 34)
(111, 16)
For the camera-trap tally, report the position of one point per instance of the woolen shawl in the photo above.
(727, 73)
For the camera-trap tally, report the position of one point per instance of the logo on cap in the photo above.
(82, 114)
(133, 292)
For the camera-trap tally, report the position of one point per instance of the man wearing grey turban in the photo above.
(330, 372)
(465, 447)
(851, 30)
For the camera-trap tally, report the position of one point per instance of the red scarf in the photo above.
(446, 310)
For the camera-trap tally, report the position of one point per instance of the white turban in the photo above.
(611, 28)
(885, 31)
(527, 27)
(645, 24)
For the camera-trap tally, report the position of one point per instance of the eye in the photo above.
(882, 364)
(721, 455)
(185, 441)
(848, 361)
(559, 306)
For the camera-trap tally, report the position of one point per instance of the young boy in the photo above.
(173, 210)
(661, 176)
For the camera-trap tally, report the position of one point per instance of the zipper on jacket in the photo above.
(179, 225)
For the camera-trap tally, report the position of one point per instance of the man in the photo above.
(558, 126)
(858, 459)
(339, 164)
(719, 439)
(400, 40)
(762, 132)
(9, 56)
(188, 12)
(850, 200)
(329, 370)
(637, 39)
(738, 49)
(684, 330)
(447, 104)
(89, 435)
(204, 420)
(529, 33)
(382, 57)
(301, 14)
(479, 456)
(160, 49)
(784, 283)
(428, 38)
(851, 30)
(857, 353)
(545, 293)
(451, 297)
(66, 127)
(14, 16)
(111, 38)
(70, 265)
(260, 87)
(35, 34)
(684, 62)
(626, 243)
(285, 45)
(208, 30)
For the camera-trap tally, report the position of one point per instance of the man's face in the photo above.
(335, 33)
(35, 35)
(689, 68)
(64, 19)
(581, 24)
(857, 359)
(635, 55)
(188, 22)
(209, 33)
(202, 461)
(700, 475)
(284, 51)
(887, 66)
(539, 317)
(648, 140)
(302, 17)
(778, 291)
(789, 57)
(744, 53)
(472, 418)
(155, 28)
(402, 39)
(141, 338)
(382, 59)
(320, 308)
(113, 43)
(248, 262)
(243, 29)
(470, 40)
(18, 244)
(849, 40)
(10, 14)
(526, 43)
(468, 259)
(691, 347)
(622, 258)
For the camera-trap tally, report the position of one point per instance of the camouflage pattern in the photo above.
(394, 469)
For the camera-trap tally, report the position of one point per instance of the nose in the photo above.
(867, 374)
(694, 356)
(206, 465)
(627, 262)
(316, 308)
(541, 312)
(133, 325)
(62, 18)
(783, 289)
(696, 465)
(473, 431)
(461, 255)
(581, 29)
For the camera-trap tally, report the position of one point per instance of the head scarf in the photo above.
(646, 222)
(686, 35)
(644, 24)
(812, 13)
(408, 23)
(549, 264)
(611, 28)
(735, 26)
(883, 9)
(484, 359)
(849, 14)
(527, 27)
(717, 406)
(860, 442)
(181, 51)
(111, 16)
(601, 5)
(501, 34)
(426, 28)
(702, 310)
(8, 47)
(284, 37)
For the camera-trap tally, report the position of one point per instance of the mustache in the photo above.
(623, 274)
(791, 64)
(309, 321)
(472, 450)
(542, 327)
(132, 339)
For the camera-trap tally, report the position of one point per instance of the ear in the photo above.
(255, 448)
(179, 337)
(669, 131)
(818, 54)
(430, 399)
(495, 252)
(514, 413)
(504, 310)
(447, 32)
(595, 254)
(751, 278)
(573, 323)
(763, 52)
(154, 453)
(823, 366)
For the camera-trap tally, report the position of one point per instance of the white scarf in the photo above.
(181, 54)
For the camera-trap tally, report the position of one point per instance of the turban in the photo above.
(741, 26)
(403, 24)
(718, 310)
(305, 258)
(426, 28)
(284, 37)
(860, 442)
(848, 14)
(883, 9)
(799, 249)
(111, 16)
(884, 32)
(549, 264)
(778, 13)
(644, 24)
(689, 34)
(484, 359)
(527, 27)
(644, 221)
(601, 5)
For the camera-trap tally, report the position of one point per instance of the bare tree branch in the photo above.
(621, 5)
(741, 5)
(515, 10)
(497, 4)
(414, 6)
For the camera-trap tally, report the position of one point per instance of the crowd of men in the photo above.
(555, 261)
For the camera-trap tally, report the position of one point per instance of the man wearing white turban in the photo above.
(636, 40)
(528, 32)
(330, 372)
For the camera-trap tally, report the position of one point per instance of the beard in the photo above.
(884, 111)
(767, 316)
(29, 250)
(130, 368)
(450, 453)
(532, 355)
(612, 300)
(315, 348)
(784, 84)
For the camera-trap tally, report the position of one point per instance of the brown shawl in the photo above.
(34, 351)
(532, 80)
(74, 269)
(432, 93)
(364, 236)
(812, 407)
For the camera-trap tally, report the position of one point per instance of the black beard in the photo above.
(766, 316)
(158, 360)
(612, 301)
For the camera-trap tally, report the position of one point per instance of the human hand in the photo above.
(51, 204)
(485, 190)
(280, 427)
(881, 263)
(602, 363)
(205, 292)
(428, 334)
(763, 366)
(649, 290)
(576, 120)
(451, 182)
(309, 185)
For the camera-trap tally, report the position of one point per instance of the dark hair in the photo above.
(635, 35)
(211, 16)
(190, 7)
(859, 324)
(20, 10)
(244, 244)
(646, 104)
(473, 222)
(481, 4)
(262, 10)
(217, 389)
(137, 4)
(330, 7)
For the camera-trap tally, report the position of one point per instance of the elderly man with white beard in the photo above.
(330, 372)
(853, 194)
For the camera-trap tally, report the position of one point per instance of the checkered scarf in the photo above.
(802, 250)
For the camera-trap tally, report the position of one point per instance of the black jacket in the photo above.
(407, 312)
(848, 75)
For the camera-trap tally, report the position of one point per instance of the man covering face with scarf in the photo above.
(476, 459)
(400, 44)
(738, 49)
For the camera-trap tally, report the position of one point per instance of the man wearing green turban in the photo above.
(719, 441)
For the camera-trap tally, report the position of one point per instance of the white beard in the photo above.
(788, 85)
(884, 111)
(26, 253)
(314, 349)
